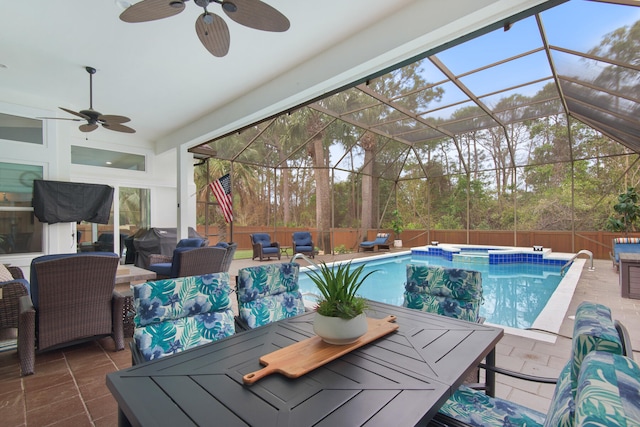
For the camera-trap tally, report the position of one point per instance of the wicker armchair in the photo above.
(188, 261)
(9, 303)
(75, 301)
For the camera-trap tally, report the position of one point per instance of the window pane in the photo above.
(20, 232)
(134, 209)
(14, 128)
(106, 158)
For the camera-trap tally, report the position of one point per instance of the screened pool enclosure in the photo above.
(531, 125)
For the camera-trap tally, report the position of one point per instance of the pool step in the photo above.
(480, 258)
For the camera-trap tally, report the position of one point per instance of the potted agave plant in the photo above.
(340, 317)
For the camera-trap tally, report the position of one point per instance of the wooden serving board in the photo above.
(302, 357)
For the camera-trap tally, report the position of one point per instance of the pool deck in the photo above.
(69, 385)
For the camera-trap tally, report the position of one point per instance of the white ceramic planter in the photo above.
(397, 243)
(335, 330)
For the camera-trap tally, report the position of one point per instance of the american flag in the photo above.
(222, 190)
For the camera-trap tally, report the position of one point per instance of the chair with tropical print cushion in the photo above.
(594, 332)
(607, 394)
(451, 292)
(268, 293)
(173, 315)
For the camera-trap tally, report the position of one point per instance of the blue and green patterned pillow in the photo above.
(450, 292)
(608, 391)
(593, 330)
(269, 293)
(177, 314)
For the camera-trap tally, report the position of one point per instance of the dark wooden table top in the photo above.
(399, 380)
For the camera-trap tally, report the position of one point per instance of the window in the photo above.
(14, 128)
(133, 214)
(20, 231)
(108, 159)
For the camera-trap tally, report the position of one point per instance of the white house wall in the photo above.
(160, 176)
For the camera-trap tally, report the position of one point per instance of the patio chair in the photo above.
(231, 248)
(451, 292)
(381, 242)
(623, 245)
(174, 315)
(598, 343)
(303, 243)
(72, 300)
(268, 293)
(263, 248)
(13, 285)
(188, 261)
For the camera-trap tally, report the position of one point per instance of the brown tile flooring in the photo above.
(68, 388)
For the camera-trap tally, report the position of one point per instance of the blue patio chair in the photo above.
(263, 248)
(268, 293)
(174, 315)
(381, 242)
(303, 243)
(189, 261)
(623, 245)
(598, 345)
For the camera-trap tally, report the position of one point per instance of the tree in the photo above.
(628, 212)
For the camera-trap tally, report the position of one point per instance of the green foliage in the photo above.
(397, 224)
(628, 212)
(338, 287)
(342, 249)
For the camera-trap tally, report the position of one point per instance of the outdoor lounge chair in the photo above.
(11, 291)
(174, 315)
(623, 245)
(231, 248)
(381, 242)
(263, 248)
(268, 293)
(189, 261)
(303, 243)
(72, 300)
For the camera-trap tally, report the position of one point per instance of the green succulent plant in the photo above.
(338, 287)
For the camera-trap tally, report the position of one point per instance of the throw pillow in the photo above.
(5, 274)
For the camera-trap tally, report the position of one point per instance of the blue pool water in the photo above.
(514, 294)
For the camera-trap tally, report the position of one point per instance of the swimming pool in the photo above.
(515, 294)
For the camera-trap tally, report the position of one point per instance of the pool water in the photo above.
(514, 294)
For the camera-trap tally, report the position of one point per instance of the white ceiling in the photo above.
(175, 92)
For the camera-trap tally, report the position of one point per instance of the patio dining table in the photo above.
(400, 379)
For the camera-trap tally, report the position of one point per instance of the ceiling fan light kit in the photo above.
(211, 29)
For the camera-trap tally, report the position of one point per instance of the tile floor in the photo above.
(68, 388)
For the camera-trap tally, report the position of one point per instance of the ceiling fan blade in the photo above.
(58, 118)
(256, 14)
(215, 35)
(151, 10)
(74, 113)
(110, 118)
(118, 127)
(88, 127)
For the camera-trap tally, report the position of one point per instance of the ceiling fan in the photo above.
(211, 29)
(95, 118)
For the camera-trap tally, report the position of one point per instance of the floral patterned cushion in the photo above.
(562, 408)
(608, 394)
(268, 293)
(177, 314)
(450, 292)
(608, 391)
(475, 408)
(593, 330)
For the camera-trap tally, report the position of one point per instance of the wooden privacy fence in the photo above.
(348, 239)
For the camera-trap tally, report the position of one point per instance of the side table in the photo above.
(630, 275)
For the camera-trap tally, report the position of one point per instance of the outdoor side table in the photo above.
(630, 275)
